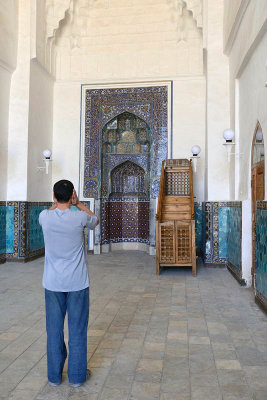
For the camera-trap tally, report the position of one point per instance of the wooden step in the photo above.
(176, 207)
(176, 200)
(177, 216)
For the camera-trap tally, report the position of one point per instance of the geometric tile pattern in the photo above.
(261, 249)
(126, 221)
(102, 105)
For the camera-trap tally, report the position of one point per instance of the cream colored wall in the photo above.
(231, 9)
(142, 38)
(189, 125)
(252, 108)
(218, 109)
(247, 58)
(40, 132)
(66, 132)
(8, 56)
(19, 111)
(5, 80)
(8, 33)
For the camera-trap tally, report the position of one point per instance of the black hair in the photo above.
(63, 190)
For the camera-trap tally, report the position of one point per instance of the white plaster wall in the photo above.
(5, 79)
(245, 45)
(40, 132)
(252, 108)
(218, 110)
(188, 127)
(189, 108)
(19, 111)
(66, 132)
(8, 56)
(8, 33)
(231, 8)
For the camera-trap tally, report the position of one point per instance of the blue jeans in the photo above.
(77, 306)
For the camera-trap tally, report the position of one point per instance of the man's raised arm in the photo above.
(76, 202)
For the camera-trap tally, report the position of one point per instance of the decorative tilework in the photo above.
(102, 105)
(2, 230)
(125, 222)
(36, 240)
(223, 231)
(10, 229)
(235, 236)
(261, 250)
(222, 226)
(199, 223)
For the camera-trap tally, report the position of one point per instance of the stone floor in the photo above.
(172, 337)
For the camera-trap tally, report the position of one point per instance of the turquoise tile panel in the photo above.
(10, 212)
(223, 231)
(199, 222)
(235, 236)
(261, 252)
(36, 239)
(2, 229)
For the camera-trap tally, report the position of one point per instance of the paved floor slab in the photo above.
(166, 337)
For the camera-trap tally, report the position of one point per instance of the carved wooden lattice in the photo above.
(183, 235)
(175, 224)
(167, 243)
(177, 183)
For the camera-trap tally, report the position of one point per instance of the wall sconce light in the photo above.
(47, 159)
(195, 151)
(228, 135)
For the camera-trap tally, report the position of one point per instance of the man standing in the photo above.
(66, 283)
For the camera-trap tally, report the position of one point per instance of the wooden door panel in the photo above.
(167, 242)
(183, 242)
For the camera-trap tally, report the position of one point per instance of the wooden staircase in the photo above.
(175, 224)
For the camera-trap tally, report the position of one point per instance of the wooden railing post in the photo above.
(161, 192)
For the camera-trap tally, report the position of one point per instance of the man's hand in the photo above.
(74, 199)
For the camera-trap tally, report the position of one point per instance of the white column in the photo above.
(19, 111)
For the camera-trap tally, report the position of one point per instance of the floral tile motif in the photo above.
(101, 105)
(261, 249)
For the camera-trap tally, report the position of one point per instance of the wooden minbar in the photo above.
(175, 223)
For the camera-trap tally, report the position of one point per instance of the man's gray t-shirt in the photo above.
(65, 268)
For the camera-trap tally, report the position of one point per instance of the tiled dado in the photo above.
(21, 235)
(221, 234)
(261, 253)
(199, 226)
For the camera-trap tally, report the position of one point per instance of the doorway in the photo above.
(257, 186)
